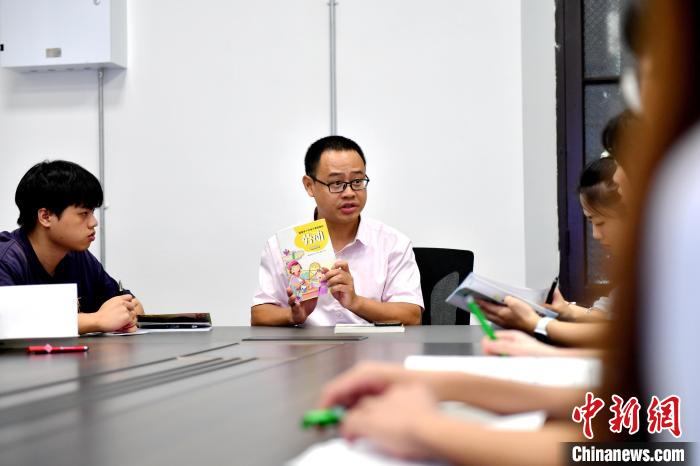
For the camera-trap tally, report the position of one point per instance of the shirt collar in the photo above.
(362, 235)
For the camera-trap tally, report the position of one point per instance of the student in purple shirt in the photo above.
(56, 203)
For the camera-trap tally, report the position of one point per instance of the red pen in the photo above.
(46, 349)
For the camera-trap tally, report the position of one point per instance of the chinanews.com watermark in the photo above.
(629, 453)
(662, 416)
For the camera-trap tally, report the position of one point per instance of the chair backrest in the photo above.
(441, 270)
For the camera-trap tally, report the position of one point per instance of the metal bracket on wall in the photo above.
(334, 102)
(101, 162)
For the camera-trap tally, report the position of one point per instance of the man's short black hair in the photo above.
(55, 186)
(338, 143)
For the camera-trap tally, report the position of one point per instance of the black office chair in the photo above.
(441, 270)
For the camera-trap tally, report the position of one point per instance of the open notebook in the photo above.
(493, 291)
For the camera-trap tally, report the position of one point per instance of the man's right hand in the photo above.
(117, 313)
(300, 310)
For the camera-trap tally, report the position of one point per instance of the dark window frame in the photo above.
(571, 150)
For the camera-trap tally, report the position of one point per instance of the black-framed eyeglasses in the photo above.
(340, 186)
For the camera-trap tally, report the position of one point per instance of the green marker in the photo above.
(476, 310)
(323, 417)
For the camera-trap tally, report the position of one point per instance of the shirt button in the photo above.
(338, 314)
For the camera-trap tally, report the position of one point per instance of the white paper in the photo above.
(38, 311)
(368, 328)
(532, 420)
(338, 452)
(552, 371)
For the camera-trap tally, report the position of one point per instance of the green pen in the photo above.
(476, 310)
(323, 417)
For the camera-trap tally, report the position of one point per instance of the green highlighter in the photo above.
(323, 417)
(476, 310)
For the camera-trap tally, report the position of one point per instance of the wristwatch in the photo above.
(541, 327)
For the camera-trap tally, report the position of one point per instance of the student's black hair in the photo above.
(337, 143)
(599, 192)
(613, 131)
(54, 186)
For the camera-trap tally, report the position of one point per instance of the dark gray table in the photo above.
(185, 398)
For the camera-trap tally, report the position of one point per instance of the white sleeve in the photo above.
(272, 287)
(403, 278)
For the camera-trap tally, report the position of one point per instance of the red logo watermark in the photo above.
(661, 414)
(665, 415)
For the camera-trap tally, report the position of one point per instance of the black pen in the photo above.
(550, 295)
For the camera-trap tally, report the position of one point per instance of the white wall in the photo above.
(44, 116)
(433, 91)
(206, 131)
(539, 142)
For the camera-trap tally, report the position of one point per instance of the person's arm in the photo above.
(270, 315)
(374, 311)
(500, 396)
(577, 334)
(274, 315)
(463, 443)
(517, 343)
(117, 313)
(342, 287)
(405, 422)
(518, 315)
(574, 313)
(585, 314)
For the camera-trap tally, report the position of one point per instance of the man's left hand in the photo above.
(342, 286)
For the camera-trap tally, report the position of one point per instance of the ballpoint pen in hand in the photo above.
(550, 295)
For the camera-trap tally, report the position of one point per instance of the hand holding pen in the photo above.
(131, 325)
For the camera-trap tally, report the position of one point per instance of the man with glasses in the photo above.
(375, 277)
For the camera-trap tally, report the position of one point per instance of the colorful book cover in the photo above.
(306, 251)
